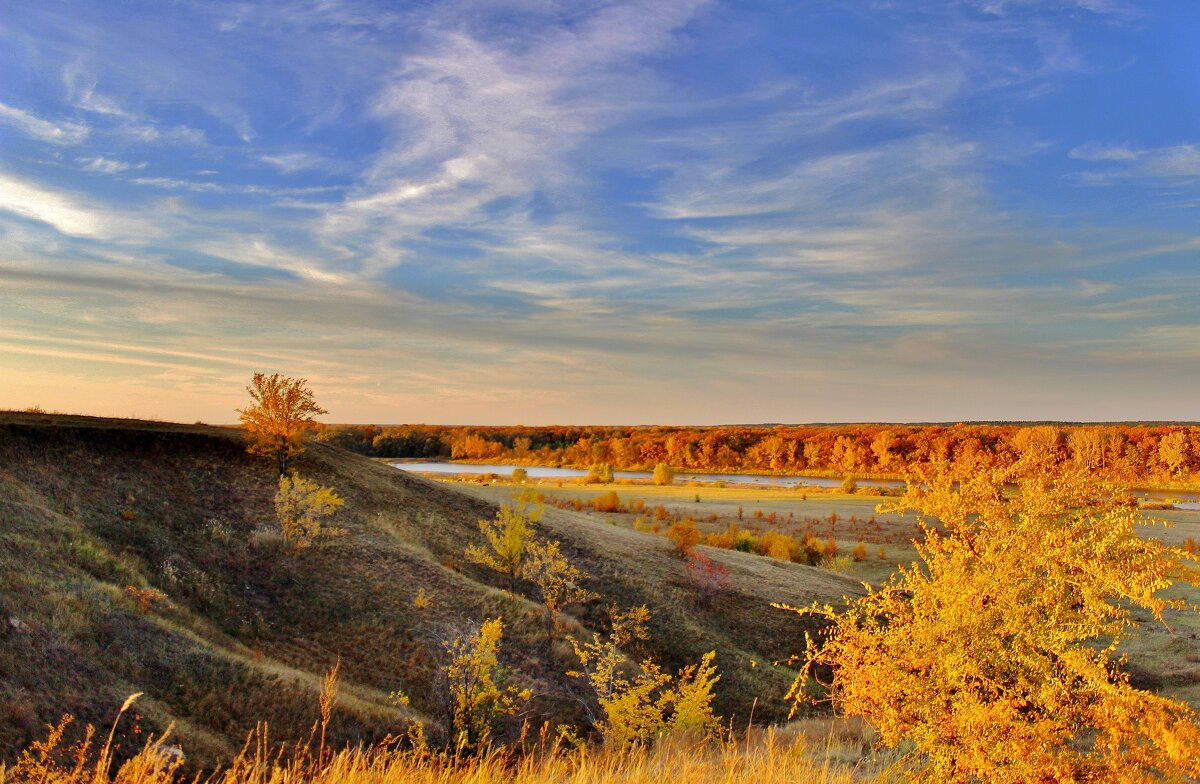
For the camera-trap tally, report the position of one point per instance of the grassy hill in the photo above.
(91, 507)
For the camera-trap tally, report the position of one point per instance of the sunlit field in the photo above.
(1164, 658)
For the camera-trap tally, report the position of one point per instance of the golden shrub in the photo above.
(995, 657)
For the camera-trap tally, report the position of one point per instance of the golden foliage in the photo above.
(776, 545)
(995, 657)
(282, 410)
(685, 535)
(663, 475)
(556, 578)
(508, 535)
(479, 691)
(651, 703)
(608, 502)
(691, 699)
(300, 505)
(599, 473)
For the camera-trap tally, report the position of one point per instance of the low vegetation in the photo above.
(993, 658)
(819, 757)
(300, 506)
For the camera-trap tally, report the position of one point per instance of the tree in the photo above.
(557, 580)
(282, 410)
(599, 473)
(508, 536)
(995, 656)
(1173, 451)
(478, 685)
(300, 505)
(663, 475)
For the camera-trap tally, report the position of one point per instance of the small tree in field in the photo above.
(282, 410)
(995, 657)
(600, 473)
(663, 475)
(508, 536)
(300, 506)
(557, 580)
(479, 689)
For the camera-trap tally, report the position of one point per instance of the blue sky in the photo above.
(667, 211)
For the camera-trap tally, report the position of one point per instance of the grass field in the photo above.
(847, 518)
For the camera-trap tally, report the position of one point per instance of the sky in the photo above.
(603, 211)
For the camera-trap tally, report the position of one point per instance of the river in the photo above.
(1182, 500)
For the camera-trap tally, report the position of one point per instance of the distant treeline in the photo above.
(1124, 452)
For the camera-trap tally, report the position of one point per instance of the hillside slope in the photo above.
(90, 507)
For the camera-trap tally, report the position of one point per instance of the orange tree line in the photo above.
(1130, 453)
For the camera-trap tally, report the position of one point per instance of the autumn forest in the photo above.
(1140, 453)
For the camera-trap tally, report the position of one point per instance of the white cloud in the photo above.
(292, 162)
(203, 186)
(43, 130)
(1095, 151)
(65, 213)
(1169, 163)
(474, 120)
(101, 165)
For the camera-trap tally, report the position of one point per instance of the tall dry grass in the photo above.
(764, 757)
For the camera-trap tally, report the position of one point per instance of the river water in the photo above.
(1182, 500)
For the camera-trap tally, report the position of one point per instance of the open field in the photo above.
(847, 518)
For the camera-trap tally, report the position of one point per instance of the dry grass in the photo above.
(821, 753)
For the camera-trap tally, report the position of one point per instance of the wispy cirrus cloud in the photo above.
(31, 125)
(658, 210)
(102, 165)
(475, 121)
(1174, 163)
(66, 213)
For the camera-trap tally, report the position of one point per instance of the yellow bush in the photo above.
(994, 658)
(300, 506)
(608, 502)
(479, 693)
(650, 703)
(508, 537)
(776, 545)
(685, 535)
